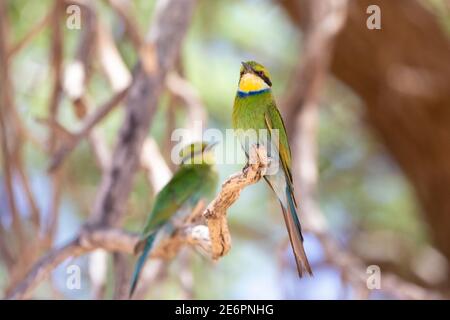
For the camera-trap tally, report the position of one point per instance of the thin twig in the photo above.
(7, 128)
(122, 9)
(98, 115)
(56, 56)
(34, 31)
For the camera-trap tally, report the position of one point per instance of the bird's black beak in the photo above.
(247, 67)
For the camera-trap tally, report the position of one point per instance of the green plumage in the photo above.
(187, 186)
(256, 110)
(190, 184)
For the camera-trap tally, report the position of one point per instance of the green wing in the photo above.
(184, 184)
(275, 121)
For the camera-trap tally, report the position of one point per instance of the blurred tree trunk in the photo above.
(402, 73)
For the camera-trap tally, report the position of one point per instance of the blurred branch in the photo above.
(156, 59)
(77, 75)
(76, 81)
(326, 18)
(161, 47)
(121, 276)
(111, 240)
(158, 172)
(56, 60)
(123, 11)
(7, 129)
(213, 239)
(33, 207)
(111, 62)
(8, 180)
(98, 260)
(171, 125)
(196, 111)
(405, 95)
(119, 77)
(185, 276)
(89, 123)
(302, 121)
(34, 31)
(353, 271)
(13, 136)
(5, 253)
(95, 36)
(108, 239)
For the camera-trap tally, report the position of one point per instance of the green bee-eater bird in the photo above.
(255, 109)
(196, 179)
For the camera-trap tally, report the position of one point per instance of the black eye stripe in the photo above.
(260, 74)
(264, 77)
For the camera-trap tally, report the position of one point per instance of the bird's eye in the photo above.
(263, 76)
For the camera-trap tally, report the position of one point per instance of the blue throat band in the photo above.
(251, 93)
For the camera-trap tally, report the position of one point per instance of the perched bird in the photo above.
(196, 179)
(255, 111)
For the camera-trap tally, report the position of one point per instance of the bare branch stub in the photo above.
(215, 213)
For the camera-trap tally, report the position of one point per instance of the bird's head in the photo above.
(254, 77)
(198, 153)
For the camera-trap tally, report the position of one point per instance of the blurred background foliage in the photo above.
(362, 191)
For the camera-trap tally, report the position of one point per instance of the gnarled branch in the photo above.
(215, 213)
(213, 239)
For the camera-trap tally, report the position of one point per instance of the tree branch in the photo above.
(214, 239)
(215, 213)
(162, 44)
(86, 128)
(34, 31)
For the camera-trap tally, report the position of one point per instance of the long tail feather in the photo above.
(141, 261)
(295, 234)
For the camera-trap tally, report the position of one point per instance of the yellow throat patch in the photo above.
(250, 82)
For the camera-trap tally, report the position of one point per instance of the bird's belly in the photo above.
(262, 138)
(278, 183)
(251, 129)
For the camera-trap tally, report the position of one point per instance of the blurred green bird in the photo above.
(196, 179)
(255, 111)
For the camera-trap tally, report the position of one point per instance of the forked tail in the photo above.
(295, 234)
